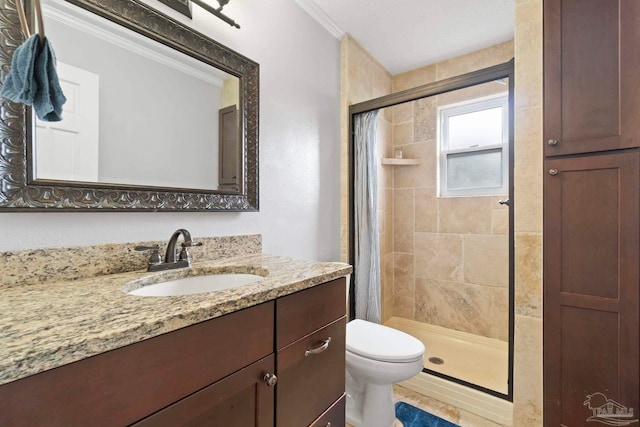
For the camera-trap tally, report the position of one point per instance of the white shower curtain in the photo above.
(367, 249)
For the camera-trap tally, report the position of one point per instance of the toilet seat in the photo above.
(379, 342)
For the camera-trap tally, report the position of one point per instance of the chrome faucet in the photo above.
(170, 261)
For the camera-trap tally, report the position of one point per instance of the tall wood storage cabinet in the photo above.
(591, 212)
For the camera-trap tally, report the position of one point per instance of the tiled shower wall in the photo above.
(363, 78)
(443, 261)
(451, 254)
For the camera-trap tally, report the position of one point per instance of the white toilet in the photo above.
(377, 357)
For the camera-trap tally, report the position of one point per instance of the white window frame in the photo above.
(477, 104)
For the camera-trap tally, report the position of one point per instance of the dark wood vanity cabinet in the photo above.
(208, 374)
(591, 211)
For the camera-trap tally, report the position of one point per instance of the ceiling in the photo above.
(407, 34)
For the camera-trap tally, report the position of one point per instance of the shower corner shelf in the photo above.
(401, 162)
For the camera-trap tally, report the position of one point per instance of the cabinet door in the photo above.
(242, 399)
(591, 75)
(591, 298)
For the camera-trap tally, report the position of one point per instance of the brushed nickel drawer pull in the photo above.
(553, 172)
(553, 142)
(317, 350)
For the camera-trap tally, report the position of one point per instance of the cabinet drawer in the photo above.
(334, 416)
(242, 399)
(302, 313)
(124, 385)
(308, 385)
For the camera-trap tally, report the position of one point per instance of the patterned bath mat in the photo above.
(414, 417)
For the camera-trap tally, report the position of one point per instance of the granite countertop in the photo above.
(47, 325)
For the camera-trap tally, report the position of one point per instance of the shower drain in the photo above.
(436, 360)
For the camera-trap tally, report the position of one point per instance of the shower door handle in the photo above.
(504, 202)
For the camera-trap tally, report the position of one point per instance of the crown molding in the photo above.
(316, 13)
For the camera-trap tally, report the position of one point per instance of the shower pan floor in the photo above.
(475, 359)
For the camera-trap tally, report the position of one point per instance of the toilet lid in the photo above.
(382, 343)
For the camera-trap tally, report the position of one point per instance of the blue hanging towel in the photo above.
(33, 79)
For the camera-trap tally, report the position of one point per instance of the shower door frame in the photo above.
(485, 75)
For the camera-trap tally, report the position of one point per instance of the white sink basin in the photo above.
(196, 285)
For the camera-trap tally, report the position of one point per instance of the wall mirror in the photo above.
(159, 117)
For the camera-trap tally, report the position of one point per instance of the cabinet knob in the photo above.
(552, 142)
(319, 349)
(553, 172)
(270, 379)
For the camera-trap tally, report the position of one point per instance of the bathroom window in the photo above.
(474, 141)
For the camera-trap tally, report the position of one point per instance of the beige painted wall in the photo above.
(528, 208)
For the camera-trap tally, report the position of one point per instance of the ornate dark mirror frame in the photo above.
(20, 192)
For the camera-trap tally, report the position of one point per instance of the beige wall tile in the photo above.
(384, 136)
(528, 274)
(386, 233)
(403, 307)
(425, 119)
(423, 175)
(528, 50)
(474, 61)
(362, 76)
(528, 181)
(477, 91)
(387, 309)
(499, 221)
(403, 133)
(402, 112)
(480, 310)
(414, 78)
(386, 276)
(438, 256)
(426, 210)
(403, 275)
(403, 220)
(527, 386)
(464, 215)
(528, 401)
(486, 260)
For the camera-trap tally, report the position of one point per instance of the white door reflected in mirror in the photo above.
(68, 150)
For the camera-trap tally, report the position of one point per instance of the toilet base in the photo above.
(376, 407)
